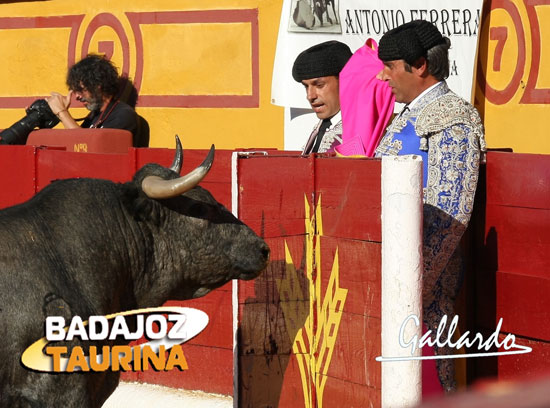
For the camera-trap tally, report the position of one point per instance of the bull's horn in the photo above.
(156, 187)
(178, 158)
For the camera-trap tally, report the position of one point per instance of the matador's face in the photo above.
(323, 95)
(402, 80)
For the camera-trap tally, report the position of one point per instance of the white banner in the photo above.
(308, 22)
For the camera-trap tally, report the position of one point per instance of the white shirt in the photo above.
(335, 120)
(415, 100)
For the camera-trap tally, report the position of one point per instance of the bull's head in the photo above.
(194, 236)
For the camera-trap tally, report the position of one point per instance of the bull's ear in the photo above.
(140, 207)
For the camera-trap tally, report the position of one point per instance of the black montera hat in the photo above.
(409, 41)
(321, 60)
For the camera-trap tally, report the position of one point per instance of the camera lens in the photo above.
(39, 115)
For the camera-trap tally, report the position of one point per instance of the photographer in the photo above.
(95, 82)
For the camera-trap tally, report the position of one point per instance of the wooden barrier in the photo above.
(309, 328)
(512, 266)
(101, 140)
(27, 169)
(17, 174)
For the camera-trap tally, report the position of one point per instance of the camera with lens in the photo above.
(39, 115)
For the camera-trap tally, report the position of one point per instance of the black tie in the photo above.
(322, 129)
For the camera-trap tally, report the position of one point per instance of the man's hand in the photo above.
(59, 103)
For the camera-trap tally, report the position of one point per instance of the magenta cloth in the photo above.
(366, 102)
(431, 386)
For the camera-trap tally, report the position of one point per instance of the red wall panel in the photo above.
(518, 180)
(350, 197)
(524, 305)
(522, 367)
(272, 190)
(360, 271)
(339, 393)
(337, 298)
(55, 164)
(513, 267)
(17, 174)
(522, 238)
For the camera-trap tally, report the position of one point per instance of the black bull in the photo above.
(93, 247)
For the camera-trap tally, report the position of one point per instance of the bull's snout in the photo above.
(264, 250)
(256, 262)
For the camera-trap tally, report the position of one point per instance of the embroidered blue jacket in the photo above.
(446, 131)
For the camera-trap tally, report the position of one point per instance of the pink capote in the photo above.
(366, 102)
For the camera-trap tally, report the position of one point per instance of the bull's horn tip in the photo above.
(178, 157)
(207, 163)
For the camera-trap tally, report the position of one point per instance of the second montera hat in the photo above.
(321, 60)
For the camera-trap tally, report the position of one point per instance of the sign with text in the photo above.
(304, 23)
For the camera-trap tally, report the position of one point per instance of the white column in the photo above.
(401, 277)
(235, 282)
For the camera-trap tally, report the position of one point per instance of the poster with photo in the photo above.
(359, 20)
(320, 16)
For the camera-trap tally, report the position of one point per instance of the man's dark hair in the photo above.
(438, 60)
(415, 40)
(95, 73)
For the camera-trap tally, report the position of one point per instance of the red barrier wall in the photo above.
(512, 273)
(17, 174)
(27, 169)
(310, 326)
(102, 140)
